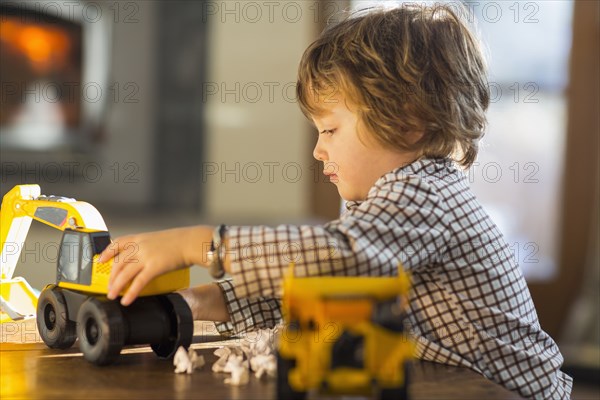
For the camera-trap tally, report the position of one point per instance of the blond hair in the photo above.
(411, 69)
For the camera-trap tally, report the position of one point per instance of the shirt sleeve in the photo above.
(247, 314)
(401, 221)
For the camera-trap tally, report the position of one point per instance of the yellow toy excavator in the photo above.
(76, 307)
(19, 207)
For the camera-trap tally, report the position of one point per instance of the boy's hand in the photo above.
(140, 258)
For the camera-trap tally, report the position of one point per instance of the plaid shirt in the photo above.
(469, 304)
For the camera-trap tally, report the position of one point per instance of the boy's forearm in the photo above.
(197, 240)
(206, 302)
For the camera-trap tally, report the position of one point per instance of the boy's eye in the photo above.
(327, 131)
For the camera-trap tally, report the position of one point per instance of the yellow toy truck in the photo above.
(76, 307)
(344, 335)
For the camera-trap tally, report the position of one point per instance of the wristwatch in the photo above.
(216, 254)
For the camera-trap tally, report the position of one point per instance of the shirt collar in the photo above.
(421, 167)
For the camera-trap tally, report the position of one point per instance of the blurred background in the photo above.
(170, 113)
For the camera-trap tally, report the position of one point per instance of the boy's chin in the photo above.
(348, 196)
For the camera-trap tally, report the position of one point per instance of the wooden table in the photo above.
(34, 371)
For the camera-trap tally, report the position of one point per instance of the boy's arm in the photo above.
(258, 256)
(369, 240)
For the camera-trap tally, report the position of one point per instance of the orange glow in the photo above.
(46, 47)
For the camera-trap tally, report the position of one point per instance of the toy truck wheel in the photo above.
(182, 326)
(399, 393)
(393, 394)
(284, 390)
(56, 330)
(100, 329)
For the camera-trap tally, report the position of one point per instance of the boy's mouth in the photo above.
(333, 178)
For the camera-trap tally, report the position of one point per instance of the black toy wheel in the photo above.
(399, 393)
(182, 326)
(54, 326)
(393, 394)
(284, 390)
(100, 329)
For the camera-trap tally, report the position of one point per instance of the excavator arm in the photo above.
(20, 207)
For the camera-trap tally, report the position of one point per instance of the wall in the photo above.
(258, 160)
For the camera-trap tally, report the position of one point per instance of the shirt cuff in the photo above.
(247, 314)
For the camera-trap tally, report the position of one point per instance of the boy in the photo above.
(397, 96)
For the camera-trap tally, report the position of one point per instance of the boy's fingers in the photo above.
(122, 278)
(136, 287)
(116, 268)
(120, 249)
(110, 251)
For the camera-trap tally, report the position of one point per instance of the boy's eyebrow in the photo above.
(324, 114)
(315, 124)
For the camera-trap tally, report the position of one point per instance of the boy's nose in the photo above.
(319, 153)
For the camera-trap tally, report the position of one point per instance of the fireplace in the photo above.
(51, 96)
(130, 77)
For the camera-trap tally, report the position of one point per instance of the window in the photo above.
(519, 171)
(87, 255)
(68, 260)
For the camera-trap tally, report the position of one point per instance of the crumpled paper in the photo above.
(255, 352)
(187, 361)
(238, 370)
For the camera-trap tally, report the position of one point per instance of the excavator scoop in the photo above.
(18, 300)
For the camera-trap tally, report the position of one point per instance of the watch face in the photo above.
(210, 256)
(216, 268)
(218, 234)
(216, 254)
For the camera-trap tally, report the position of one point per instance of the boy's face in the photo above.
(353, 166)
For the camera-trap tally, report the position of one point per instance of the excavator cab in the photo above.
(76, 255)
